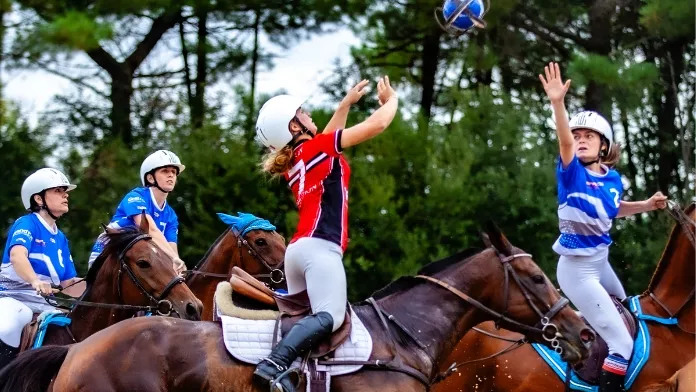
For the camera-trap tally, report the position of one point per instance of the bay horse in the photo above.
(259, 252)
(502, 362)
(683, 380)
(427, 314)
(130, 275)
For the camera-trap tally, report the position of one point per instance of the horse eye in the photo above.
(538, 279)
(260, 242)
(142, 264)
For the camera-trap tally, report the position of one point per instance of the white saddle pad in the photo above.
(250, 341)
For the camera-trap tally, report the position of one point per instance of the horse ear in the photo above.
(498, 239)
(108, 229)
(486, 240)
(144, 222)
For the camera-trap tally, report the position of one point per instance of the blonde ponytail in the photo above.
(278, 162)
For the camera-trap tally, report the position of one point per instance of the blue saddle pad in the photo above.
(641, 351)
(46, 319)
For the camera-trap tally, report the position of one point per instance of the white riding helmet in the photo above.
(41, 180)
(157, 159)
(594, 121)
(273, 124)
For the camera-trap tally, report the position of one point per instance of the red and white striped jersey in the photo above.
(319, 181)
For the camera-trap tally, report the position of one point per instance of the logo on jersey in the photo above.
(52, 240)
(23, 232)
(156, 215)
(40, 242)
(594, 185)
(142, 207)
(136, 199)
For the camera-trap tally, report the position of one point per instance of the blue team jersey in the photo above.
(134, 203)
(49, 255)
(588, 202)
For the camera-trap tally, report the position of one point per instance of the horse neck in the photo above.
(673, 281)
(87, 320)
(219, 260)
(435, 316)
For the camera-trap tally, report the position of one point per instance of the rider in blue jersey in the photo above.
(158, 173)
(36, 255)
(589, 199)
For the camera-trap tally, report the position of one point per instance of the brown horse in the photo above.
(258, 252)
(427, 314)
(519, 367)
(683, 380)
(130, 275)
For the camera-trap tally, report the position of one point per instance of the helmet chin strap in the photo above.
(160, 188)
(152, 173)
(303, 130)
(44, 206)
(602, 154)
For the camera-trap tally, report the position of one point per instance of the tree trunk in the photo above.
(634, 192)
(121, 94)
(198, 106)
(671, 70)
(123, 73)
(431, 53)
(600, 15)
(187, 68)
(250, 132)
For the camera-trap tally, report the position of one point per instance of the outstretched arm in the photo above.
(556, 91)
(378, 121)
(338, 120)
(628, 208)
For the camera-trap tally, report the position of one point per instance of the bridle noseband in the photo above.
(158, 303)
(164, 307)
(275, 275)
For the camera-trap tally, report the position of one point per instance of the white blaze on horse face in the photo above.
(154, 250)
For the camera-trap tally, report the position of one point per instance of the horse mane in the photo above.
(117, 240)
(667, 253)
(406, 282)
(210, 249)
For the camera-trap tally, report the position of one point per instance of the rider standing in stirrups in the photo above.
(318, 176)
(158, 173)
(36, 256)
(589, 197)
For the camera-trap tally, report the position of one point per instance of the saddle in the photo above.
(292, 308)
(38, 325)
(29, 334)
(590, 369)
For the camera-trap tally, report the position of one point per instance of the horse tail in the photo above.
(33, 370)
(668, 385)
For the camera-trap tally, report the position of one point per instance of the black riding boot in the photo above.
(7, 353)
(297, 342)
(611, 382)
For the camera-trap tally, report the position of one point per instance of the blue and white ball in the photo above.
(462, 22)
